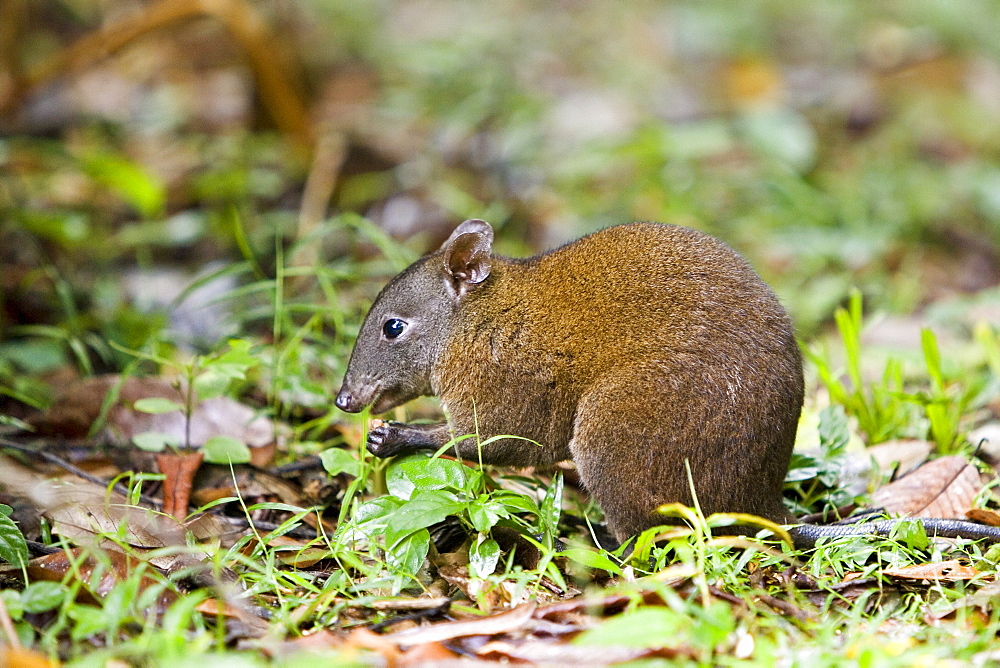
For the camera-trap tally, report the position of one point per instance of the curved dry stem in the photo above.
(272, 73)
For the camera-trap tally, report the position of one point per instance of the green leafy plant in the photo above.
(703, 629)
(945, 402)
(880, 407)
(889, 408)
(13, 548)
(205, 377)
(423, 491)
(813, 477)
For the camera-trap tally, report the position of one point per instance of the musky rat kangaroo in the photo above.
(641, 352)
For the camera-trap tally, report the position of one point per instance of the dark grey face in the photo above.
(411, 320)
(399, 341)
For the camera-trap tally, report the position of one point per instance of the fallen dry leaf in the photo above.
(348, 646)
(178, 471)
(548, 653)
(984, 516)
(318, 639)
(982, 602)
(24, 658)
(363, 638)
(250, 625)
(944, 488)
(81, 510)
(253, 485)
(96, 576)
(79, 406)
(428, 654)
(903, 455)
(948, 571)
(503, 622)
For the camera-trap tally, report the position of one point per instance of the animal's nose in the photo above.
(344, 402)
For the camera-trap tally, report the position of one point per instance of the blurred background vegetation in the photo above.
(176, 171)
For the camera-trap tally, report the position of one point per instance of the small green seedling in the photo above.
(205, 377)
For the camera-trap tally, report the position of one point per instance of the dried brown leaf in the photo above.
(96, 576)
(948, 571)
(348, 646)
(559, 653)
(55, 567)
(903, 455)
(503, 622)
(944, 488)
(24, 658)
(218, 481)
(239, 618)
(320, 639)
(178, 471)
(982, 601)
(80, 510)
(428, 654)
(984, 516)
(362, 638)
(79, 406)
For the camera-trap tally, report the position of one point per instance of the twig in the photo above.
(503, 622)
(302, 532)
(784, 606)
(327, 161)
(726, 596)
(8, 626)
(439, 609)
(41, 548)
(272, 73)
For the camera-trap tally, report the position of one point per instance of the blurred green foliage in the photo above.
(151, 201)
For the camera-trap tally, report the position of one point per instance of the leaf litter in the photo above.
(507, 627)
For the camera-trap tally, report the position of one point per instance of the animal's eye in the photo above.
(393, 327)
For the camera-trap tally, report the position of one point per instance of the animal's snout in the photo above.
(346, 402)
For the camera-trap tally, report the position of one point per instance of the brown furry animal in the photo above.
(636, 352)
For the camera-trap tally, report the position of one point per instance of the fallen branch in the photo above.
(272, 74)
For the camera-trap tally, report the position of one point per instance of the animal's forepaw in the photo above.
(385, 438)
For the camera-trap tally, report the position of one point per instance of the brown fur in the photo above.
(634, 351)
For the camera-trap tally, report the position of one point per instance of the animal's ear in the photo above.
(466, 255)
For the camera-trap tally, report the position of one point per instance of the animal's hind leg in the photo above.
(627, 464)
(674, 446)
